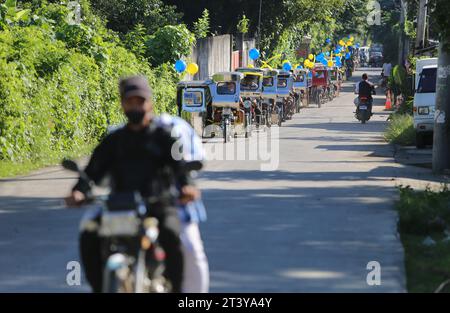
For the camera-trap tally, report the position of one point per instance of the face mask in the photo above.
(135, 117)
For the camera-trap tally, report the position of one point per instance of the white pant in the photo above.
(196, 271)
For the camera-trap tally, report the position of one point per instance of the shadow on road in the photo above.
(303, 225)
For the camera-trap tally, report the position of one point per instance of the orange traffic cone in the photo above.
(388, 105)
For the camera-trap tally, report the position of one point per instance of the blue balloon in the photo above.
(324, 62)
(347, 55)
(287, 66)
(328, 40)
(180, 66)
(299, 67)
(254, 54)
(357, 45)
(320, 57)
(336, 51)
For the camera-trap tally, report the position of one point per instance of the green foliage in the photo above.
(420, 211)
(201, 26)
(410, 30)
(406, 107)
(124, 15)
(400, 130)
(441, 15)
(399, 81)
(58, 86)
(169, 43)
(387, 33)
(243, 25)
(135, 40)
(11, 15)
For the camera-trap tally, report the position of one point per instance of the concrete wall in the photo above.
(212, 55)
(244, 45)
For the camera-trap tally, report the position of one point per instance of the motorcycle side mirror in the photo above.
(70, 165)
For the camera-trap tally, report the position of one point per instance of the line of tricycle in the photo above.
(237, 103)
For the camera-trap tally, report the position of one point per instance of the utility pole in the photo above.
(259, 25)
(401, 42)
(421, 24)
(441, 140)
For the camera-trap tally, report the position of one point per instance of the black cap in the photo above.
(135, 86)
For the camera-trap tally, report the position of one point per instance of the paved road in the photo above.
(311, 225)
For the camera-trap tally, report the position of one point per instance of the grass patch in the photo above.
(425, 214)
(10, 168)
(400, 130)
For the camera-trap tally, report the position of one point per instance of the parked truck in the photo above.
(424, 100)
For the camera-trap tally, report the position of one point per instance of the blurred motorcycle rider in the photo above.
(137, 157)
(365, 89)
(189, 148)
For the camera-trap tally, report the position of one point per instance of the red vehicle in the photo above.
(320, 84)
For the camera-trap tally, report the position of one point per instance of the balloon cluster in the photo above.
(310, 61)
(287, 66)
(330, 58)
(254, 54)
(181, 66)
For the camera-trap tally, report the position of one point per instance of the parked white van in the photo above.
(424, 100)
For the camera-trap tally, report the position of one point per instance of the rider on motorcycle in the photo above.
(137, 157)
(196, 271)
(365, 89)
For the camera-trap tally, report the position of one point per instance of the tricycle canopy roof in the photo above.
(319, 66)
(249, 70)
(301, 71)
(284, 74)
(227, 76)
(271, 73)
(195, 83)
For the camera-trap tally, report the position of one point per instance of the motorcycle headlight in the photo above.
(423, 110)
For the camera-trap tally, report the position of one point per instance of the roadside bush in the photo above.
(423, 212)
(400, 130)
(406, 107)
(168, 44)
(423, 224)
(55, 100)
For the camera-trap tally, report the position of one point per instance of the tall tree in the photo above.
(124, 15)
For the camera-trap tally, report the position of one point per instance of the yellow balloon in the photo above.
(310, 56)
(352, 38)
(341, 43)
(250, 66)
(349, 43)
(330, 63)
(192, 68)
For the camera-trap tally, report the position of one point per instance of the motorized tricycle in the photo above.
(269, 97)
(228, 113)
(195, 97)
(251, 92)
(285, 95)
(335, 83)
(319, 91)
(302, 86)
